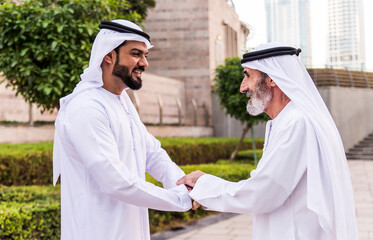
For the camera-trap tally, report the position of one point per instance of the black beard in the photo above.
(123, 73)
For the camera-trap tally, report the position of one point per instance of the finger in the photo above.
(181, 181)
(196, 205)
(190, 183)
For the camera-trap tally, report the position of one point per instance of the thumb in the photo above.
(180, 181)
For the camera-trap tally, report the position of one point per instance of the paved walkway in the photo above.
(238, 227)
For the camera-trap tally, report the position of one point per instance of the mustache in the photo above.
(249, 93)
(139, 68)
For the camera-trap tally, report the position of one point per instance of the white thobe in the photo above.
(103, 151)
(276, 193)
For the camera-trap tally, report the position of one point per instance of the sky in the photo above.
(253, 13)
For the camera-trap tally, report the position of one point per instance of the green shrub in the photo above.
(31, 163)
(39, 219)
(248, 155)
(45, 45)
(33, 212)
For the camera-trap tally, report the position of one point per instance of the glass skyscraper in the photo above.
(288, 22)
(346, 35)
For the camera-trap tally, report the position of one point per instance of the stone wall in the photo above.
(222, 16)
(352, 111)
(179, 33)
(189, 41)
(155, 89)
(159, 91)
(14, 108)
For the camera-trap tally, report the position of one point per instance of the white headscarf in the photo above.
(329, 188)
(106, 40)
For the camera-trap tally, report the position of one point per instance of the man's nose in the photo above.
(144, 62)
(244, 86)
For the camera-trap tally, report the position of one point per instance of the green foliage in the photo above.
(248, 155)
(24, 148)
(31, 163)
(230, 171)
(26, 164)
(29, 212)
(227, 85)
(141, 6)
(204, 150)
(45, 44)
(33, 212)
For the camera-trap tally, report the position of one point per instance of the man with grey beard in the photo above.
(262, 96)
(301, 188)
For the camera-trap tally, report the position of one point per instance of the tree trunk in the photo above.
(30, 115)
(254, 146)
(234, 153)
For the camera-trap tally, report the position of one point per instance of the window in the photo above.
(231, 48)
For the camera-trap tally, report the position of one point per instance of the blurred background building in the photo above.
(346, 35)
(191, 38)
(289, 22)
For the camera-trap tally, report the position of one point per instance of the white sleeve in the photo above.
(159, 164)
(89, 131)
(277, 175)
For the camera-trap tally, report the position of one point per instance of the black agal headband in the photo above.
(271, 52)
(121, 28)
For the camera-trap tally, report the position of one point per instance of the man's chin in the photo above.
(136, 84)
(253, 111)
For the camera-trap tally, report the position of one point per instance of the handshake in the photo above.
(189, 181)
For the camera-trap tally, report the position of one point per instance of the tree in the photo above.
(141, 6)
(227, 84)
(45, 44)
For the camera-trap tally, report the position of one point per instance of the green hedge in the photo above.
(33, 212)
(31, 163)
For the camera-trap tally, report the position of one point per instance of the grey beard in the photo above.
(259, 103)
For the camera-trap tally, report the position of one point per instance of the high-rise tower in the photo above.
(288, 22)
(346, 35)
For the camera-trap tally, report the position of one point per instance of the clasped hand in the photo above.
(189, 181)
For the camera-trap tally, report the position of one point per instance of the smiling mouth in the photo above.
(137, 72)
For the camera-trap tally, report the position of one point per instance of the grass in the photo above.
(24, 148)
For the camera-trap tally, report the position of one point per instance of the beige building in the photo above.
(191, 38)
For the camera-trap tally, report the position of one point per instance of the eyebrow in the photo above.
(141, 51)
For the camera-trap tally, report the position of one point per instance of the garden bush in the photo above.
(31, 163)
(33, 212)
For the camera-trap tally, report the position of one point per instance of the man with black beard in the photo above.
(301, 188)
(102, 149)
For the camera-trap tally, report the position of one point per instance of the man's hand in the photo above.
(195, 205)
(190, 179)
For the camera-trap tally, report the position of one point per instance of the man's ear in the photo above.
(271, 82)
(109, 58)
